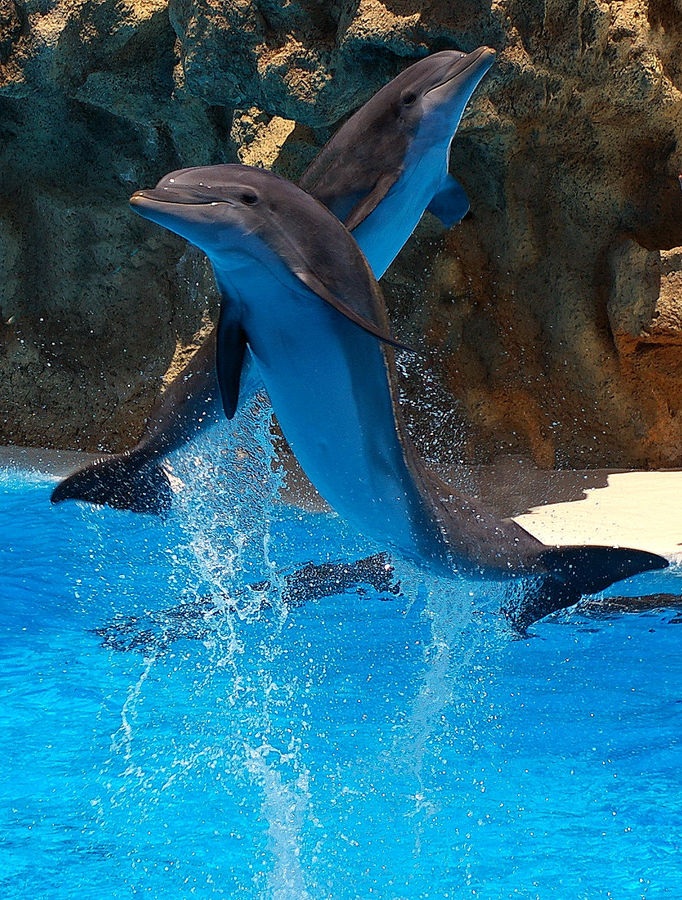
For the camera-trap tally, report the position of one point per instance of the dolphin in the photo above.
(378, 173)
(297, 290)
(409, 126)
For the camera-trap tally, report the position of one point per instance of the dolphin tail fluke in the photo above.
(574, 572)
(593, 569)
(122, 482)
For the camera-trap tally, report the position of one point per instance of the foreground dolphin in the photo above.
(297, 290)
(380, 171)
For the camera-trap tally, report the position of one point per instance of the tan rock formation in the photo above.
(553, 314)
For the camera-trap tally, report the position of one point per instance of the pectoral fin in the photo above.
(230, 349)
(317, 287)
(369, 203)
(450, 204)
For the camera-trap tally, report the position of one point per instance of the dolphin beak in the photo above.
(176, 213)
(478, 61)
(141, 202)
(150, 205)
(484, 59)
(139, 198)
(486, 53)
(474, 66)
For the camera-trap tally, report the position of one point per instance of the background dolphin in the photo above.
(296, 288)
(409, 125)
(380, 171)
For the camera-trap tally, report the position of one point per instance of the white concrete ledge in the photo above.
(48, 462)
(642, 510)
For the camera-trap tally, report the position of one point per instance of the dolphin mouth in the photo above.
(177, 196)
(482, 58)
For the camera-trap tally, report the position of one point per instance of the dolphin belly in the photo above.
(328, 385)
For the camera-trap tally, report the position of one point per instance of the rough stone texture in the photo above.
(92, 301)
(553, 314)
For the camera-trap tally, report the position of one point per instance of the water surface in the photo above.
(357, 746)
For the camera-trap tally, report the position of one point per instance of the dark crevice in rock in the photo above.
(666, 14)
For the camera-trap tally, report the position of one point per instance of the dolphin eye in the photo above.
(249, 199)
(408, 99)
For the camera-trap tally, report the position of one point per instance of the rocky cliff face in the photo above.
(553, 314)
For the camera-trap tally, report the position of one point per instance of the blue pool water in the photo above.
(356, 746)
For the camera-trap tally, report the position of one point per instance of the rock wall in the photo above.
(553, 314)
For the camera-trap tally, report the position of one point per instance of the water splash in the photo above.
(231, 482)
(463, 629)
(225, 510)
(286, 802)
(433, 416)
(122, 740)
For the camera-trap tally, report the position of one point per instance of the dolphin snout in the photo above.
(189, 196)
(488, 55)
(483, 57)
(464, 73)
(139, 197)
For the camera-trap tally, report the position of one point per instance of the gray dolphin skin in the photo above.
(380, 171)
(297, 290)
